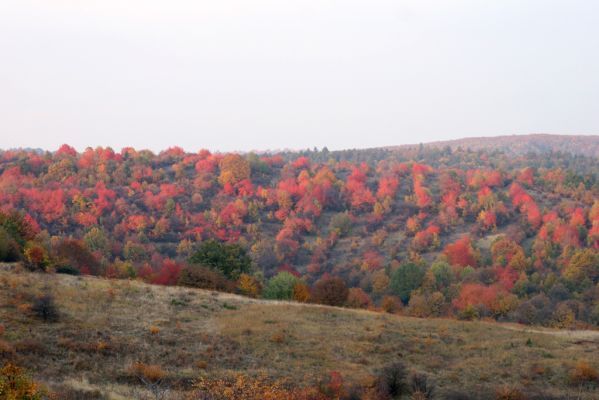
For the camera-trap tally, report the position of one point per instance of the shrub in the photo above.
(358, 298)
(45, 308)
(147, 372)
(422, 387)
(391, 304)
(249, 285)
(250, 388)
(15, 384)
(330, 291)
(74, 253)
(509, 393)
(280, 286)
(9, 248)
(67, 270)
(229, 259)
(406, 278)
(583, 373)
(17, 227)
(36, 257)
(392, 381)
(301, 292)
(341, 223)
(204, 278)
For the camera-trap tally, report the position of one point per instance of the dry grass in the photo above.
(107, 326)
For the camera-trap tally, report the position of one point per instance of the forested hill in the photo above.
(522, 144)
(430, 230)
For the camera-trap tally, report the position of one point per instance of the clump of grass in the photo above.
(584, 374)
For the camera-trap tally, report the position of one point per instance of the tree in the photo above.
(229, 259)
(584, 264)
(330, 291)
(442, 273)
(73, 253)
(341, 223)
(233, 169)
(358, 298)
(17, 226)
(9, 248)
(405, 279)
(280, 286)
(204, 278)
(249, 285)
(461, 252)
(45, 308)
(169, 273)
(301, 292)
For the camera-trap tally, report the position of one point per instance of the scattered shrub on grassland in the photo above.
(15, 384)
(392, 381)
(247, 388)
(583, 373)
(147, 372)
(44, 308)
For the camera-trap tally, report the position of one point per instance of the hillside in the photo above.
(105, 326)
(439, 232)
(522, 144)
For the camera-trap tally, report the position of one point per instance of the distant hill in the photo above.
(522, 144)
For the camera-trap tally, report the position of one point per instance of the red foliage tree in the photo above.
(461, 252)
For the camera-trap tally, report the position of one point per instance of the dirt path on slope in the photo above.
(576, 334)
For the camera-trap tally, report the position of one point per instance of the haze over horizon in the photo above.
(267, 75)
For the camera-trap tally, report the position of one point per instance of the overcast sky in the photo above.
(262, 74)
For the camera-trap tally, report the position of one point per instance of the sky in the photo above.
(269, 74)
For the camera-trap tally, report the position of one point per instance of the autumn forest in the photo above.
(423, 231)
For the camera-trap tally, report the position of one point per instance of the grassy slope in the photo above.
(105, 326)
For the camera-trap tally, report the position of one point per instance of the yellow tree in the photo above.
(233, 169)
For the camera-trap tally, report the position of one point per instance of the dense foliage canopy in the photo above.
(447, 231)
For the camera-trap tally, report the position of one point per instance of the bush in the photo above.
(358, 298)
(341, 223)
(280, 286)
(17, 227)
(15, 384)
(392, 381)
(68, 270)
(204, 278)
(391, 304)
(422, 387)
(9, 248)
(301, 292)
(330, 291)
(584, 374)
(45, 308)
(406, 278)
(36, 257)
(229, 259)
(249, 285)
(74, 253)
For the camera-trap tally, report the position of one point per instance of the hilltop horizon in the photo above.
(463, 141)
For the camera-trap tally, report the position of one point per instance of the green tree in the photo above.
(229, 259)
(406, 278)
(584, 264)
(280, 286)
(96, 240)
(443, 274)
(9, 249)
(341, 223)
